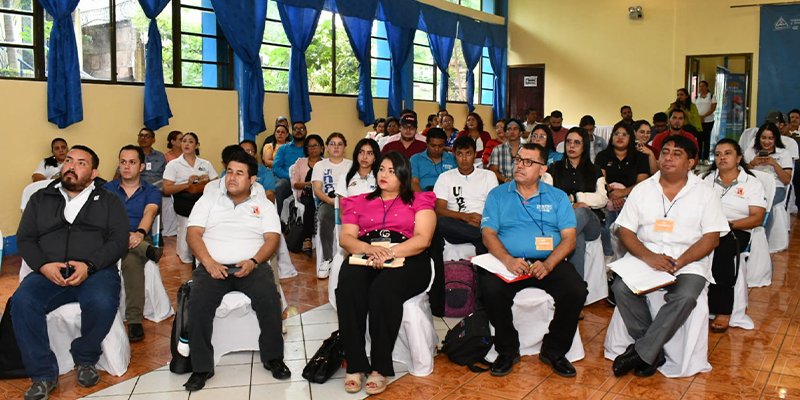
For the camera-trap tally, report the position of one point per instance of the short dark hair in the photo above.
(408, 111)
(543, 154)
(255, 146)
(556, 114)
(465, 142)
(319, 140)
(378, 121)
(621, 109)
(703, 81)
(436, 133)
(298, 122)
(95, 159)
(682, 142)
(56, 140)
(677, 110)
(228, 151)
(794, 111)
(660, 117)
(246, 159)
(146, 129)
(137, 149)
(586, 120)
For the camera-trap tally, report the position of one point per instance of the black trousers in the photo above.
(704, 140)
(309, 215)
(724, 267)
(206, 296)
(380, 293)
(565, 286)
(456, 232)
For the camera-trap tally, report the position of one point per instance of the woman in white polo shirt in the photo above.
(184, 180)
(768, 154)
(744, 205)
(360, 178)
(50, 167)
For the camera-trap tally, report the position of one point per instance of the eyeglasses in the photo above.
(144, 135)
(526, 162)
(299, 129)
(539, 136)
(574, 142)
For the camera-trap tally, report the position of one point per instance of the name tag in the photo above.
(544, 243)
(664, 225)
(148, 166)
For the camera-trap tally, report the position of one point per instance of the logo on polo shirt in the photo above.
(544, 208)
(256, 211)
(740, 191)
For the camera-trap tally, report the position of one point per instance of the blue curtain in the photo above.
(402, 19)
(473, 35)
(299, 23)
(497, 57)
(156, 106)
(441, 27)
(359, 33)
(64, 106)
(242, 22)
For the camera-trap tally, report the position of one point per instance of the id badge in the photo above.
(664, 225)
(544, 243)
(148, 166)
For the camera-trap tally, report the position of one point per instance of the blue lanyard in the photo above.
(539, 224)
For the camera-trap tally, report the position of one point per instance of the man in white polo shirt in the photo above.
(672, 222)
(233, 233)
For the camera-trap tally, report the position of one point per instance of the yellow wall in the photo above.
(113, 117)
(597, 59)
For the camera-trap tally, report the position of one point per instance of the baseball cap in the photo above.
(408, 120)
(775, 117)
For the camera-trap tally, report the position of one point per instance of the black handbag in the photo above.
(180, 331)
(326, 361)
(11, 366)
(183, 202)
(294, 230)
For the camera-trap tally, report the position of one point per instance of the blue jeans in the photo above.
(605, 233)
(283, 189)
(588, 229)
(36, 296)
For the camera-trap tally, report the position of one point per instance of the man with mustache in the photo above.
(71, 234)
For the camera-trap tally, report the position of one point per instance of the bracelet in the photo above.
(253, 259)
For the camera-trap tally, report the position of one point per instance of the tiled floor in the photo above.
(763, 363)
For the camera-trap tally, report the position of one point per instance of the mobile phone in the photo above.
(639, 145)
(232, 269)
(763, 153)
(67, 271)
(387, 262)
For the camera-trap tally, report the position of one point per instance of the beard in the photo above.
(71, 182)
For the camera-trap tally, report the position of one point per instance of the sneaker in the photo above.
(87, 375)
(324, 269)
(154, 253)
(40, 389)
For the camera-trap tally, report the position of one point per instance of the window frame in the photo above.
(37, 13)
(225, 69)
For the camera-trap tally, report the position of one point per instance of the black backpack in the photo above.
(180, 329)
(468, 342)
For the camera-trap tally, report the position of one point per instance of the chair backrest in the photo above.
(30, 190)
(560, 147)
(791, 147)
(769, 188)
(746, 140)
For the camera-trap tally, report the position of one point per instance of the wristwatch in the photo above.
(142, 231)
(92, 267)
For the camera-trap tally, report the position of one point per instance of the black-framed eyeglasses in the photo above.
(526, 162)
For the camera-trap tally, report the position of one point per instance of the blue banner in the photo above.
(729, 115)
(778, 66)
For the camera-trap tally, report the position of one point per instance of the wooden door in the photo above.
(525, 90)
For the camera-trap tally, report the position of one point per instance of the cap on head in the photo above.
(408, 120)
(775, 117)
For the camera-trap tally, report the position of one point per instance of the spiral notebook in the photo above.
(640, 277)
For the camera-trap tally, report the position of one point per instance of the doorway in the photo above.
(704, 68)
(525, 90)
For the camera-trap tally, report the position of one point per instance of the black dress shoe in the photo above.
(154, 253)
(503, 364)
(560, 365)
(278, 368)
(198, 380)
(626, 361)
(644, 370)
(135, 333)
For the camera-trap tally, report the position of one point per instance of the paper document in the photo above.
(495, 266)
(639, 276)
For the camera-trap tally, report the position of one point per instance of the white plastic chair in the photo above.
(759, 263)
(686, 351)
(778, 229)
(533, 310)
(157, 306)
(594, 270)
(739, 317)
(64, 326)
(456, 252)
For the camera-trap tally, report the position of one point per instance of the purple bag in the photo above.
(460, 286)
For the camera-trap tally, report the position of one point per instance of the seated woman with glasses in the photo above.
(542, 136)
(586, 188)
(301, 183)
(392, 215)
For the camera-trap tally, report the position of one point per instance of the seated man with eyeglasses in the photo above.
(529, 226)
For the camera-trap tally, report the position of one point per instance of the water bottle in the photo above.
(183, 346)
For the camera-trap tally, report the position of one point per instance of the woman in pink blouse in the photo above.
(393, 212)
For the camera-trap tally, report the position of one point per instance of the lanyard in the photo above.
(664, 207)
(541, 215)
(386, 211)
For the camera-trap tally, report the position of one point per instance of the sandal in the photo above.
(307, 247)
(720, 323)
(352, 382)
(378, 384)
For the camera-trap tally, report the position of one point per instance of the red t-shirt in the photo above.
(663, 135)
(417, 146)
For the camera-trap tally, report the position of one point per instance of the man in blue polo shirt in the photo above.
(428, 165)
(284, 159)
(530, 227)
(142, 201)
